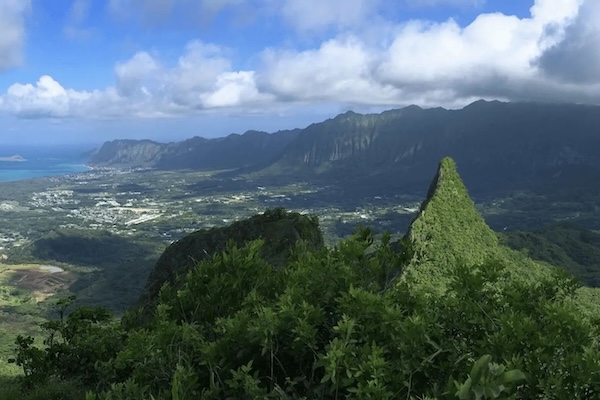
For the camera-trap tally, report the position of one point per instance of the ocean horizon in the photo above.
(41, 161)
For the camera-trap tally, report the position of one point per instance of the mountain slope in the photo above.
(448, 230)
(252, 149)
(499, 146)
(331, 323)
(575, 249)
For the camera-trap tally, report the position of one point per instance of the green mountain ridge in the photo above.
(501, 147)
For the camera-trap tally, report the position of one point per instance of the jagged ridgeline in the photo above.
(449, 231)
(279, 229)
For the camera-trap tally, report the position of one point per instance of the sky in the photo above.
(85, 71)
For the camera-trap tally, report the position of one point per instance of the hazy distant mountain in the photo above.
(252, 149)
(498, 146)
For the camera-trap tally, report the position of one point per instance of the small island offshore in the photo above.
(15, 158)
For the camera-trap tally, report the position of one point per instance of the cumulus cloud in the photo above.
(339, 69)
(389, 64)
(434, 64)
(576, 58)
(144, 87)
(46, 98)
(12, 32)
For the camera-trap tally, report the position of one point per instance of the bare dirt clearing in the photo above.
(42, 281)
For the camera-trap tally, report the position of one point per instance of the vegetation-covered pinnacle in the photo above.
(448, 229)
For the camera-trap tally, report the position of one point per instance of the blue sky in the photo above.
(92, 70)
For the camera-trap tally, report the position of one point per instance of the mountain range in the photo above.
(500, 147)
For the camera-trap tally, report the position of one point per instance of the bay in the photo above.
(41, 161)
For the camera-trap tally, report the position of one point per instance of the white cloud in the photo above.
(556, 11)
(233, 89)
(137, 75)
(12, 32)
(339, 69)
(445, 54)
(144, 87)
(434, 63)
(576, 58)
(47, 98)
(551, 55)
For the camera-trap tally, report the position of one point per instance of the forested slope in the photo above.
(575, 249)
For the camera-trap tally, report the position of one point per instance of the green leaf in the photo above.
(512, 376)
(479, 368)
(465, 388)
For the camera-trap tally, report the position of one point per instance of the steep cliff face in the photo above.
(498, 145)
(138, 153)
(370, 138)
(253, 149)
(449, 223)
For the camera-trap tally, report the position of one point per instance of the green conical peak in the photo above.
(448, 229)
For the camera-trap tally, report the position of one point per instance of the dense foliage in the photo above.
(575, 249)
(278, 228)
(448, 231)
(334, 324)
(448, 314)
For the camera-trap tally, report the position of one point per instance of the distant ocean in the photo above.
(41, 161)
